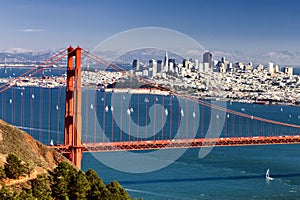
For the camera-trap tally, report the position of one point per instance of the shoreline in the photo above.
(164, 92)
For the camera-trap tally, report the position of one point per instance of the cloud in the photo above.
(30, 30)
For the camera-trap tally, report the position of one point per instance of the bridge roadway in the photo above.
(182, 143)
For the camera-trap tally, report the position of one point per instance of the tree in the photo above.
(78, 186)
(117, 191)
(98, 189)
(13, 167)
(61, 178)
(41, 188)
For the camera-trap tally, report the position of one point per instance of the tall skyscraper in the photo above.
(207, 58)
(153, 66)
(159, 66)
(136, 64)
(166, 61)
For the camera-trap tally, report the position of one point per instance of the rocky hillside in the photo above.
(37, 156)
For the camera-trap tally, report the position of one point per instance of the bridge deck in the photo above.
(182, 143)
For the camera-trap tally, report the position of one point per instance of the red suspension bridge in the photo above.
(74, 119)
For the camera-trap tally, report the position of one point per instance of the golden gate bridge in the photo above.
(79, 137)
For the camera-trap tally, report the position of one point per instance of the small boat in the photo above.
(252, 117)
(146, 100)
(181, 112)
(124, 97)
(128, 111)
(228, 115)
(92, 106)
(102, 99)
(112, 108)
(268, 178)
(217, 116)
(131, 110)
(156, 99)
(56, 107)
(166, 112)
(243, 109)
(21, 93)
(32, 96)
(51, 143)
(194, 115)
(10, 101)
(281, 109)
(106, 109)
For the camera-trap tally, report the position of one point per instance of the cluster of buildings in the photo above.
(168, 65)
(221, 79)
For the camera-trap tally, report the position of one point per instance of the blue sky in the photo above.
(246, 25)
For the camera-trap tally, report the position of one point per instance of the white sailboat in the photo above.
(146, 100)
(51, 143)
(128, 111)
(56, 107)
(194, 115)
(92, 106)
(182, 113)
(112, 108)
(32, 96)
(131, 110)
(106, 108)
(10, 101)
(166, 112)
(268, 178)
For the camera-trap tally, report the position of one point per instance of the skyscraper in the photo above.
(166, 62)
(136, 64)
(207, 58)
(159, 66)
(153, 66)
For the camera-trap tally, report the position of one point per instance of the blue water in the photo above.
(225, 173)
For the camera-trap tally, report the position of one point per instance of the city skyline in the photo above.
(248, 26)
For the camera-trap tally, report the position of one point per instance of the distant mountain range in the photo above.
(20, 55)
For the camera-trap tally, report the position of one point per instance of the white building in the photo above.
(288, 71)
(271, 67)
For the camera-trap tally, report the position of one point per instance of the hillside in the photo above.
(39, 158)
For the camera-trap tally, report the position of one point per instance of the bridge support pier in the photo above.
(73, 116)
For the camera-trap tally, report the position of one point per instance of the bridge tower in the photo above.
(73, 116)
